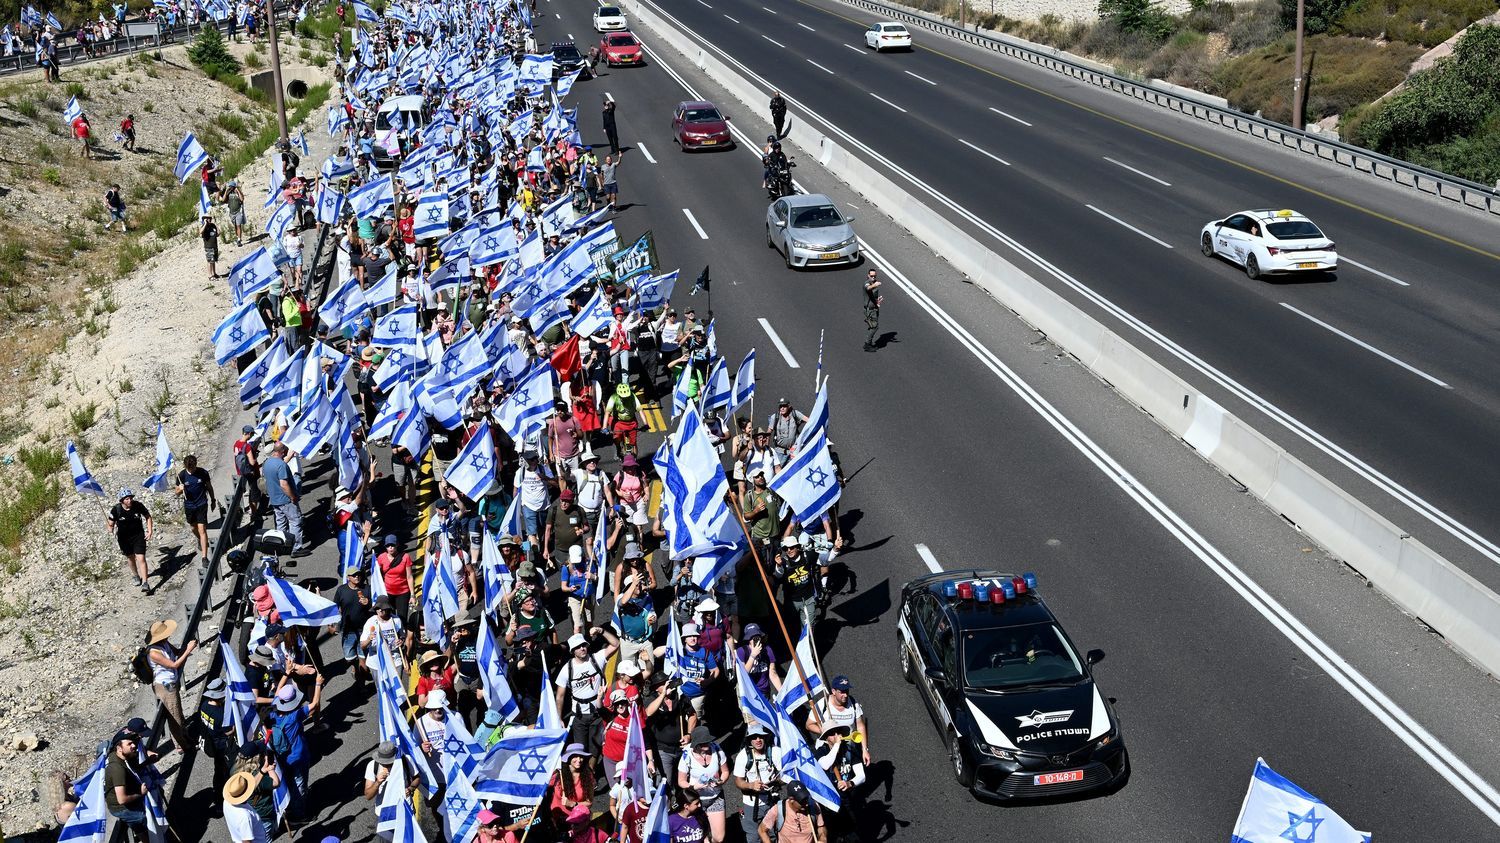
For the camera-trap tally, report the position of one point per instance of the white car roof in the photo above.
(609, 12)
(886, 23)
(410, 102)
(1270, 215)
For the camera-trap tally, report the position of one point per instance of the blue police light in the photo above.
(1009, 588)
(1030, 580)
(950, 589)
(982, 592)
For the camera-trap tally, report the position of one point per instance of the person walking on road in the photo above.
(130, 521)
(873, 300)
(611, 131)
(114, 202)
(778, 112)
(281, 489)
(197, 490)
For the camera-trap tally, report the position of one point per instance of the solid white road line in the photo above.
(855, 49)
(1372, 270)
(704, 5)
(821, 67)
(694, 220)
(1366, 346)
(923, 78)
(772, 11)
(774, 41)
(932, 564)
(984, 152)
(1110, 216)
(1137, 172)
(786, 353)
(609, 96)
(887, 102)
(731, 19)
(556, 15)
(1011, 116)
(644, 151)
(805, 26)
(1414, 735)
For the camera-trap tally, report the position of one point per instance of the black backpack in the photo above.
(140, 667)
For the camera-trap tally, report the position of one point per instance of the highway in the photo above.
(969, 440)
(1380, 372)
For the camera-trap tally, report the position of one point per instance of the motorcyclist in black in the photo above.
(775, 162)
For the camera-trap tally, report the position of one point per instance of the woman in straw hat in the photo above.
(244, 794)
(166, 675)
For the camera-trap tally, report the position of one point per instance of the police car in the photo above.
(1266, 242)
(1013, 697)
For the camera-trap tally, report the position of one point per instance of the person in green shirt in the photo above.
(291, 318)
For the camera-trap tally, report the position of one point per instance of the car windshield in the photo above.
(1294, 230)
(409, 120)
(566, 52)
(996, 659)
(620, 40)
(701, 115)
(608, 12)
(820, 216)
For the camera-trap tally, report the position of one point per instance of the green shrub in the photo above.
(1344, 73)
(41, 461)
(1449, 101)
(1213, 16)
(1143, 17)
(1425, 22)
(75, 89)
(1318, 15)
(211, 54)
(254, 61)
(1255, 25)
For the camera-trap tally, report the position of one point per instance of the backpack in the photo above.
(813, 811)
(242, 465)
(140, 667)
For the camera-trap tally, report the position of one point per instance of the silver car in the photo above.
(810, 231)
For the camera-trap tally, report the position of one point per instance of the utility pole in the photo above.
(1297, 92)
(286, 136)
(962, 8)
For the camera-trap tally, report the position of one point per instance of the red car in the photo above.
(699, 125)
(621, 48)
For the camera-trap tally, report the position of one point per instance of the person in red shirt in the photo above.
(436, 674)
(81, 132)
(633, 821)
(396, 569)
(616, 731)
(127, 132)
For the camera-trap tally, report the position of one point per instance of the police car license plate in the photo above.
(1059, 778)
(1311, 265)
(828, 256)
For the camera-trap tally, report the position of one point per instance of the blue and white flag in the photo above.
(716, 390)
(817, 419)
(431, 217)
(658, 818)
(744, 383)
(693, 489)
(393, 813)
(498, 695)
(635, 766)
(282, 385)
(394, 728)
(300, 607)
(387, 290)
(346, 451)
(1276, 810)
(399, 327)
(160, 479)
(83, 479)
(439, 593)
(565, 83)
(369, 199)
(351, 549)
(792, 693)
(31, 17)
(654, 292)
(242, 330)
(593, 316)
(396, 405)
(536, 69)
(461, 805)
(809, 483)
(492, 246)
(336, 167)
(520, 764)
(273, 187)
(330, 205)
(313, 427)
(682, 393)
(280, 220)
(300, 142)
(252, 275)
(473, 471)
(190, 156)
(338, 118)
(365, 14)
(72, 111)
(798, 763)
(708, 567)
(546, 709)
(90, 816)
(526, 408)
(751, 700)
(413, 433)
(53, 22)
(252, 380)
(671, 658)
(343, 306)
(281, 797)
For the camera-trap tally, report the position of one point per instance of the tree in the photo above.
(1318, 15)
(210, 53)
(1137, 16)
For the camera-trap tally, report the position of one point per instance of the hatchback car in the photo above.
(1270, 242)
(609, 19)
(698, 125)
(888, 35)
(809, 230)
(621, 48)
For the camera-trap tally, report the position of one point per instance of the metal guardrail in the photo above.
(122, 45)
(1432, 182)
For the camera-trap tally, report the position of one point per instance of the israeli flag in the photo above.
(1276, 810)
(281, 219)
(634, 766)
(525, 409)
(439, 594)
(243, 329)
(83, 479)
(336, 167)
(273, 187)
(555, 218)
(547, 716)
(300, 142)
(190, 156)
(817, 419)
(671, 658)
(473, 471)
(252, 379)
(654, 292)
(450, 274)
(346, 452)
(659, 817)
(413, 433)
(300, 607)
(160, 479)
(498, 695)
(694, 486)
(282, 796)
(682, 393)
(808, 483)
(461, 804)
(90, 817)
(565, 83)
(520, 764)
(370, 198)
(744, 383)
(492, 246)
(798, 763)
(387, 290)
(31, 17)
(313, 427)
(252, 275)
(792, 694)
(394, 728)
(716, 391)
(431, 216)
(282, 385)
(498, 578)
(344, 306)
(53, 22)
(239, 699)
(72, 111)
(399, 327)
(330, 205)
(751, 699)
(593, 316)
(708, 567)
(389, 809)
(363, 12)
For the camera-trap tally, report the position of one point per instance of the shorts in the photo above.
(132, 545)
(714, 804)
(211, 252)
(116, 214)
(196, 514)
(611, 189)
(238, 218)
(294, 260)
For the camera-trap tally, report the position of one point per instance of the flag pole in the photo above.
(818, 374)
(739, 516)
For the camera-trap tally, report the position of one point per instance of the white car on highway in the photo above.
(609, 19)
(887, 35)
(1270, 242)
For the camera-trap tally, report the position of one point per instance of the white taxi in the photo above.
(1270, 242)
(609, 19)
(888, 35)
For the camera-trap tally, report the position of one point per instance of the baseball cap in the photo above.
(841, 683)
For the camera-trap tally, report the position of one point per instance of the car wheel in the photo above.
(769, 243)
(1208, 245)
(787, 254)
(1252, 268)
(962, 770)
(903, 653)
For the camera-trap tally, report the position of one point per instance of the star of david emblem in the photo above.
(450, 365)
(186, 156)
(817, 477)
(314, 427)
(237, 333)
(532, 290)
(351, 454)
(532, 762)
(480, 462)
(520, 394)
(453, 745)
(458, 805)
(421, 426)
(1295, 821)
(433, 215)
(250, 276)
(491, 243)
(397, 357)
(434, 603)
(805, 756)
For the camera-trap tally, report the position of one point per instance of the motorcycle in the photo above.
(779, 182)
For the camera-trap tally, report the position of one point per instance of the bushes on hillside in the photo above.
(211, 54)
(1425, 22)
(1142, 17)
(1317, 15)
(1344, 72)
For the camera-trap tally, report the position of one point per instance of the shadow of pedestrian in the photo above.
(875, 821)
(171, 560)
(885, 339)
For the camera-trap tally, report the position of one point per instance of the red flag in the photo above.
(566, 359)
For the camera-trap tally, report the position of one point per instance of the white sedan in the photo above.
(887, 35)
(609, 19)
(1270, 242)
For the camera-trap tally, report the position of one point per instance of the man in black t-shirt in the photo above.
(197, 490)
(130, 521)
(355, 607)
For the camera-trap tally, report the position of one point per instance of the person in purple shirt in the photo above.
(760, 660)
(686, 823)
